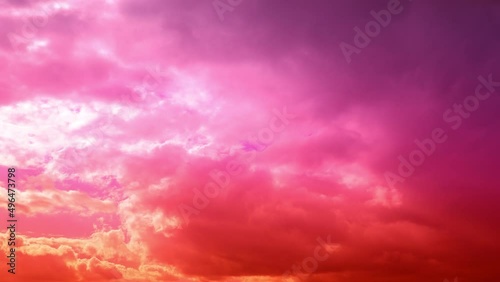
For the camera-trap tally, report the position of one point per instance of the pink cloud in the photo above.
(116, 113)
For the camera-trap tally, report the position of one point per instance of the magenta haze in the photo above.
(454, 118)
(223, 6)
(372, 29)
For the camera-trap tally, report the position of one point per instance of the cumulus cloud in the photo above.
(117, 113)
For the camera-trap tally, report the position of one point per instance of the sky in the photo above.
(251, 140)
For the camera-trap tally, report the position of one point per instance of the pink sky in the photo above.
(124, 118)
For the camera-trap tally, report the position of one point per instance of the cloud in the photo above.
(113, 119)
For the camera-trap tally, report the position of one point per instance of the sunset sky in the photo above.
(251, 140)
